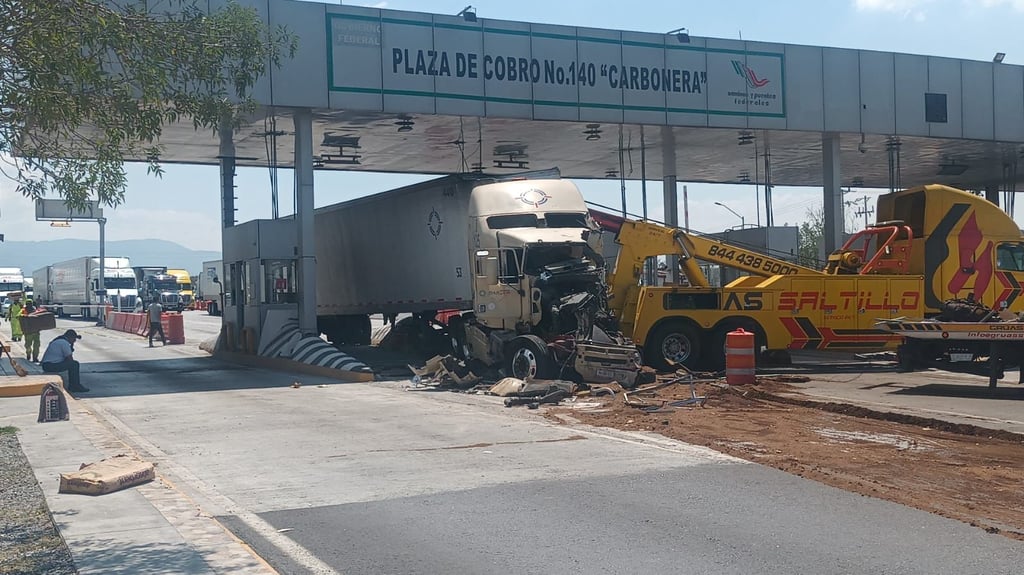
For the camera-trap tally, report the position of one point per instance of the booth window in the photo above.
(279, 285)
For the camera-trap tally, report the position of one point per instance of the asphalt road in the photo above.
(370, 478)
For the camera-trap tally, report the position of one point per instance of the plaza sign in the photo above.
(539, 65)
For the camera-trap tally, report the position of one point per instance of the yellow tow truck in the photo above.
(930, 244)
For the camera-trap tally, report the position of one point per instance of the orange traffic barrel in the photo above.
(739, 357)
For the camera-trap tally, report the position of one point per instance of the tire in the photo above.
(677, 341)
(457, 334)
(529, 358)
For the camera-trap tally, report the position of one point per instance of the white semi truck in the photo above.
(74, 285)
(519, 258)
(11, 280)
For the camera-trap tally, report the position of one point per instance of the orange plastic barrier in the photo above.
(739, 358)
(136, 324)
(118, 320)
(174, 328)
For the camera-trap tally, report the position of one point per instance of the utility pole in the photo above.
(863, 211)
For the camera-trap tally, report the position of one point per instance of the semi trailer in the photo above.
(518, 259)
(74, 286)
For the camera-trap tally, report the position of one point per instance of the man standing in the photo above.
(58, 357)
(14, 316)
(31, 339)
(155, 325)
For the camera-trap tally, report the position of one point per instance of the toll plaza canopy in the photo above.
(433, 93)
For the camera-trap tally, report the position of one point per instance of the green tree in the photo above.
(811, 235)
(86, 85)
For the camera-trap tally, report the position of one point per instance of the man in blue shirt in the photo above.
(58, 358)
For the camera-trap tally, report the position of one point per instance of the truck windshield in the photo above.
(561, 258)
(10, 286)
(119, 283)
(566, 220)
(512, 221)
(551, 220)
(165, 285)
(185, 287)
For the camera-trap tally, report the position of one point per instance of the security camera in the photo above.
(862, 148)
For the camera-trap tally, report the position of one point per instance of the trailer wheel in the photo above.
(529, 358)
(457, 334)
(674, 342)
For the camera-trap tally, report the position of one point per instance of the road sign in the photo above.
(57, 210)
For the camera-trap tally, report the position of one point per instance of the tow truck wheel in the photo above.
(673, 343)
(529, 358)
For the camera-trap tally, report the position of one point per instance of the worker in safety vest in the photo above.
(31, 339)
(14, 316)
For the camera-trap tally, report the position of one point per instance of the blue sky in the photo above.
(184, 205)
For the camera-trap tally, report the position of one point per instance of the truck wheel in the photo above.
(529, 358)
(675, 342)
(457, 334)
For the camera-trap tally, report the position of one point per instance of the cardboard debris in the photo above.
(446, 371)
(507, 386)
(107, 476)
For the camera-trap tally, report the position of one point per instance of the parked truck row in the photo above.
(72, 287)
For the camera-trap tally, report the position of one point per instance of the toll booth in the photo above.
(260, 275)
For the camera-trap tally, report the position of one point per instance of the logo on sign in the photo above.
(534, 197)
(749, 75)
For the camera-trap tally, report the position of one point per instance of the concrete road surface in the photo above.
(370, 478)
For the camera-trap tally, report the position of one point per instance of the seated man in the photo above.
(58, 358)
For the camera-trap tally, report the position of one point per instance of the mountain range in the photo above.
(30, 256)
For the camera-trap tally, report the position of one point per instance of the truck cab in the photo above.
(184, 287)
(122, 289)
(163, 288)
(537, 266)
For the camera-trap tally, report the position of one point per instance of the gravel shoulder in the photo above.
(29, 541)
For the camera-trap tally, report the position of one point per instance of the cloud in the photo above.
(910, 9)
(1015, 4)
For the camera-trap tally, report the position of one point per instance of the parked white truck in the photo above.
(209, 286)
(519, 257)
(11, 280)
(74, 283)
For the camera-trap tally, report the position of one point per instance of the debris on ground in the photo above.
(444, 372)
(533, 393)
(107, 476)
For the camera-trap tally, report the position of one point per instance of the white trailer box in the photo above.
(74, 284)
(405, 250)
(41, 285)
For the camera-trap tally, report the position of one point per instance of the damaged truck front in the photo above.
(518, 257)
